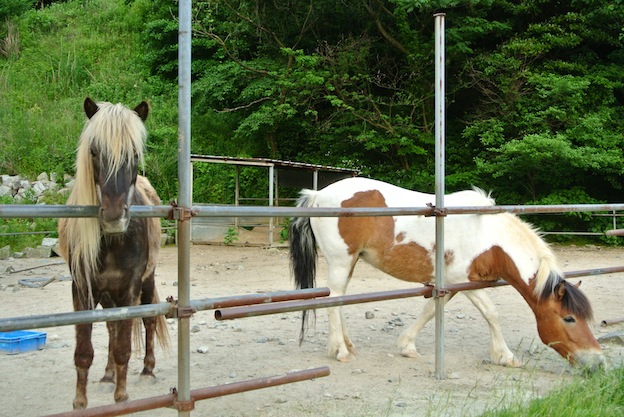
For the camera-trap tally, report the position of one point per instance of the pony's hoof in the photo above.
(508, 361)
(80, 404)
(410, 353)
(345, 358)
(105, 386)
(514, 363)
(121, 398)
(147, 379)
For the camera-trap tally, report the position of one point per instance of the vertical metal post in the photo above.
(439, 190)
(237, 196)
(184, 203)
(271, 197)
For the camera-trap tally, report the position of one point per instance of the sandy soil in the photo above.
(380, 382)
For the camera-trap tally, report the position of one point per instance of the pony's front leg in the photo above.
(122, 348)
(108, 380)
(83, 358)
(407, 340)
(500, 353)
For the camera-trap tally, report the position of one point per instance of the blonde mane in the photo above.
(119, 135)
(549, 265)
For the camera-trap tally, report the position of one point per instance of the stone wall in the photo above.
(21, 189)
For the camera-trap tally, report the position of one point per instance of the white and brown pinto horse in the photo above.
(477, 247)
(112, 258)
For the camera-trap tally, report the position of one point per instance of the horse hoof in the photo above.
(345, 358)
(122, 398)
(410, 353)
(105, 387)
(79, 404)
(514, 363)
(147, 379)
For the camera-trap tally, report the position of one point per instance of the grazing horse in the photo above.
(112, 258)
(476, 248)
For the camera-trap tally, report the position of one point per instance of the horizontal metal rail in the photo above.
(169, 400)
(45, 211)
(426, 291)
(150, 310)
(298, 299)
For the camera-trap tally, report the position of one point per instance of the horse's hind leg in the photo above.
(339, 344)
(407, 340)
(500, 353)
(149, 361)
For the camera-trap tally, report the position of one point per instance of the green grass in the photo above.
(600, 395)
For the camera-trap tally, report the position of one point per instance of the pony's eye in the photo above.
(569, 319)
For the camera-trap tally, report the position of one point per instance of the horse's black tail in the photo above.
(303, 253)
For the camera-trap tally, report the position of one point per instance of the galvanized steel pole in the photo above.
(439, 190)
(184, 403)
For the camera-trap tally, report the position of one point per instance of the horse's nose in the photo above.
(591, 360)
(114, 216)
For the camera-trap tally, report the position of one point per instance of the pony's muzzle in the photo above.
(590, 360)
(114, 220)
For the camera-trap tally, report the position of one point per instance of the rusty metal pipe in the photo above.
(260, 298)
(609, 322)
(289, 306)
(297, 305)
(169, 400)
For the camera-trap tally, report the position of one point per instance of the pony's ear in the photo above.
(90, 107)
(142, 109)
(560, 290)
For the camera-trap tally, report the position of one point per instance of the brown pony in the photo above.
(477, 248)
(112, 258)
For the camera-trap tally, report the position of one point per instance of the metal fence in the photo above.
(183, 398)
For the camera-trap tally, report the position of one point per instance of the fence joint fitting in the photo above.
(179, 213)
(436, 212)
(439, 292)
(182, 405)
(178, 312)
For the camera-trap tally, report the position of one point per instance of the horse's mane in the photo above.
(549, 274)
(119, 135)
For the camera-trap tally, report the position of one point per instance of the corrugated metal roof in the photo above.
(265, 162)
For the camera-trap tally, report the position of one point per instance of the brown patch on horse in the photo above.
(373, 238)
(492, 265)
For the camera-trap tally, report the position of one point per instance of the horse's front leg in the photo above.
(109, 372)
(500, 353)
(407, 340)
(83, 358)
(122, 349)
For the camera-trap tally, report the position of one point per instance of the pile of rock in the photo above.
(47, 249)
(21, 189)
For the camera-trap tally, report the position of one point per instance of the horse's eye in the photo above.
(569, 319)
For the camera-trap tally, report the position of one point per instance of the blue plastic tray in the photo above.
(21, 341)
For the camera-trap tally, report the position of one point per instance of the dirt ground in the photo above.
(379, 382)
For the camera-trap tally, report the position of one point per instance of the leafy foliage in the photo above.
(535, 91)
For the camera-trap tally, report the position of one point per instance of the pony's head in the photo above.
(562, 314)
(109, 154)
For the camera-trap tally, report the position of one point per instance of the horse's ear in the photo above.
(90, 107)
(142, 109)
(560, 290)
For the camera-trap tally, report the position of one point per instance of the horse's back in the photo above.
(335, 195)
